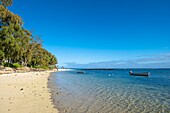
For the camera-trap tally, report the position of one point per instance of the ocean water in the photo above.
(111, 91)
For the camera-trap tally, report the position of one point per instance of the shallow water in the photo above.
(112, 91)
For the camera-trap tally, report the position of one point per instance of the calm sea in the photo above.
(112, 91)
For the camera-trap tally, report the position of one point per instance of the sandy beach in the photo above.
(25, 93)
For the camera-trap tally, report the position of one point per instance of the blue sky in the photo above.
(82, 32)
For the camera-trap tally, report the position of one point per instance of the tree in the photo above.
(1, 56)
(10, 33)
(6, 2)
(18, 45)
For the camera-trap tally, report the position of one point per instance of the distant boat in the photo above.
(80, 72)
(140, 74)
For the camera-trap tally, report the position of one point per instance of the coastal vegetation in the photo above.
(18, 46)
(6, 2)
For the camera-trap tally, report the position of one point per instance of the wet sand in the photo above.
(26, 93)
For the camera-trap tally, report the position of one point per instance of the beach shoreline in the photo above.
(54, 92)
(26, 92)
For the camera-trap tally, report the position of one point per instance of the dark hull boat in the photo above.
(140, 74)
(81, 72)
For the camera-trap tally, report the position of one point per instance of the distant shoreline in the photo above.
(114, 68)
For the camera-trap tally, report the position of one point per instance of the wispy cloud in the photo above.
(159, 61)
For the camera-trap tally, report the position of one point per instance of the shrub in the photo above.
(16, 65)
(52, 67)
(6, 64)
(41, 67)
(44, 67)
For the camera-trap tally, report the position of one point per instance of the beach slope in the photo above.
(25, 93)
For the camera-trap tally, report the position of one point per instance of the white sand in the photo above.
(25, 93)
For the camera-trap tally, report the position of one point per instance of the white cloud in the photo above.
(159, 61)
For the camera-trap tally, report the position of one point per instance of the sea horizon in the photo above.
(109, 68)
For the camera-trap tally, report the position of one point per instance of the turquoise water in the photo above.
(112, 91)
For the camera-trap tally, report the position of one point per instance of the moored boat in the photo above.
(80, 72)
(139, 74)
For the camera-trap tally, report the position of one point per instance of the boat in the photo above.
(80, 72)
(139, 74)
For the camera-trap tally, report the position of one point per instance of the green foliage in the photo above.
(42, 67)
(7, 64)
(16, 65)
(2, 55)
(6, 2)
(18, 46)
(52, 66)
